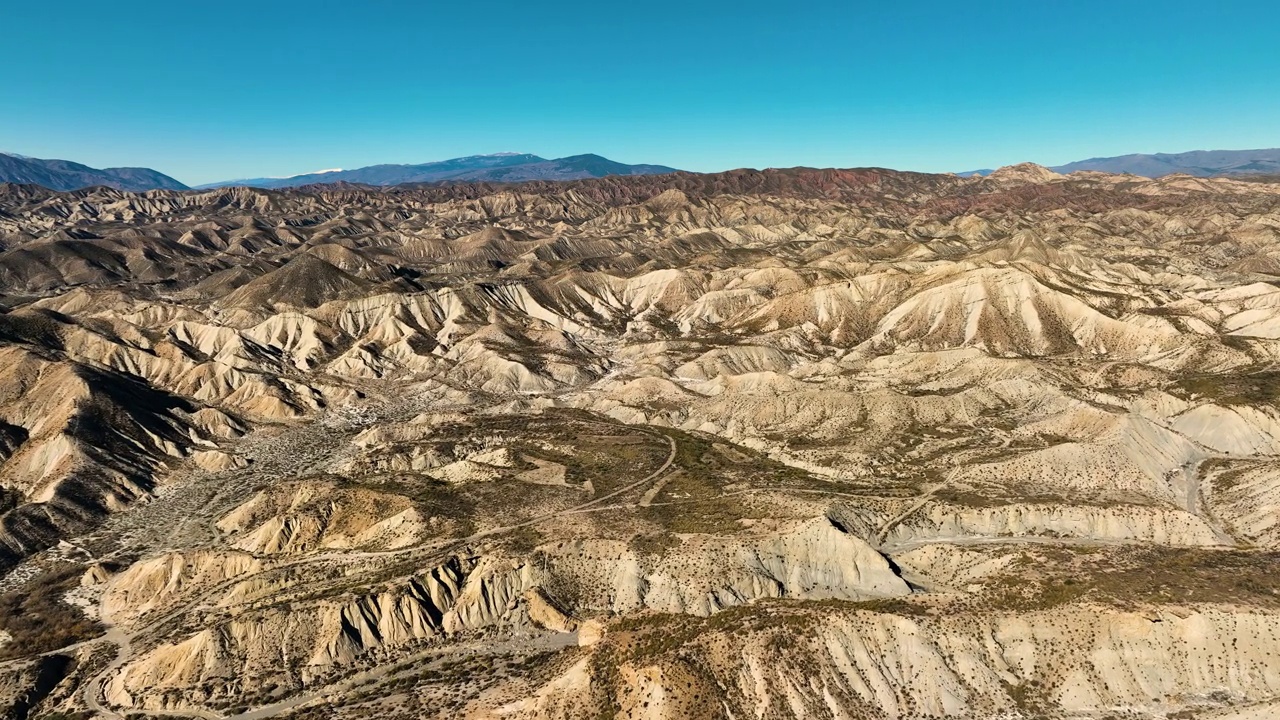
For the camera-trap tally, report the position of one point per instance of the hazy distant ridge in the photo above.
(67, 175)
(525, 167)
(1201, 163)
(502, 167)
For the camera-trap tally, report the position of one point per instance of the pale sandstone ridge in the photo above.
(812, 561)
(896, 667)
(307, 516)
(158, 582)
(1131, 524)
(707, 574)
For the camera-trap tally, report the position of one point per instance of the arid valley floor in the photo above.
(847, 444)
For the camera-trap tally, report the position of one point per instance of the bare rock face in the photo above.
(939, 522)
(216, 461)
(545, 614)
(705, 574)
(156, 582)
(784, 444)
(1024, 173)
(300, 517)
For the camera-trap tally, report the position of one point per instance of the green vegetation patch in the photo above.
(1135, 576)
(1262, 388)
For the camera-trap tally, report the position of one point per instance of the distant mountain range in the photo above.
(67, 175)
(1200, 163)
(523, 167)
(502, 167)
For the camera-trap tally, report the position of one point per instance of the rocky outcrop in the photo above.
(307, 516)
(812, 561)
(1124, 523)
(160, 582)
(295, 645)
(705, 574)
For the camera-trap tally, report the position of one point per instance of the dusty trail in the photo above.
(652, 492)
(406, 667)
(883, 532)
(1196, 504)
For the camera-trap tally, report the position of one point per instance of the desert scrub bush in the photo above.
(887, 606)
(1261, 388)
(1133, 576)
(521, 541)
(653, 543)
(38, 619)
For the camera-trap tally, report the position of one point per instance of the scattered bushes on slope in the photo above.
(38, 619)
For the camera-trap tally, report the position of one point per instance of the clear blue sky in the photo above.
(211, 91)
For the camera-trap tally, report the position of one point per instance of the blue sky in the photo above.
(214, 91)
